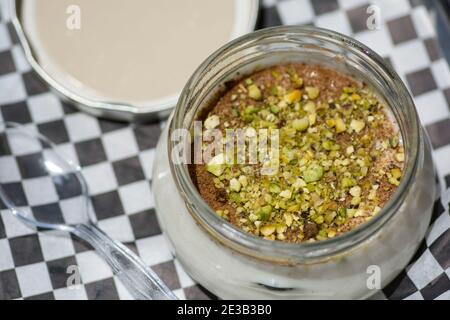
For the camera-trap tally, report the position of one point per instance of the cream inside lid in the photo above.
(139, 52)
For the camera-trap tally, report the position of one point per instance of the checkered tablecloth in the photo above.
(116, 160)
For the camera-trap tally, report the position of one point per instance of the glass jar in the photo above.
(234, 264)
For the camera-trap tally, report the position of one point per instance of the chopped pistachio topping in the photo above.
(340, 158)
(212, 122)
(235, 185)
(293, 97)
(357, 125)
(340, 125)
(216, 165)
(268, 230)
(274, 188)
(300, 124)
(254, 92)
(264, 213)
(355, 191)
(312, 92)
(286, 194)
(400, 157)
(243, 181)
(313, 173)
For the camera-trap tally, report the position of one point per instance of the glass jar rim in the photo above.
(279, 251)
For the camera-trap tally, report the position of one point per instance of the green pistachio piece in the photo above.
(328, 145)
(340, 125)
(394, 141)
(329, 217)
(300, 124)
(235, 197)
(293, 96)
(264, 213)
(357, 125)
(286, 194)
(400, 157)
(254, 92)
(274, 188)
(396, 173)
(319, 220)
(276, 75)
(251, 110)
(313, 173)
(216, 165)
(312, 92)
(342, 212)
(268, 230)
(235, 185)
(274, 109)
(348, 182)
(310, 107)
(212, 122)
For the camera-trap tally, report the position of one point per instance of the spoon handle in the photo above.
(140, 280)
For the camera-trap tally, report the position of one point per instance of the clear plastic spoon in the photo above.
(34, 177)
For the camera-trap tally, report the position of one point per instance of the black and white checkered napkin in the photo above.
(116, 160)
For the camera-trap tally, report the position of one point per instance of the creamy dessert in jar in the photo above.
(240, 243)
(340, 155)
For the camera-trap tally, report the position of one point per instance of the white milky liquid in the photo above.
(127, 51)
